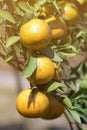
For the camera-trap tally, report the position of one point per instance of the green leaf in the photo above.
(11, 40)
(27, 16)
(8, 58)
(71, 85)
(82, 33)
(85, 78)
(24, 6)
(67, 54)
(73, 49)
(83, 110)
(7, 16)
(41, 2)
(2, 51)
(67, 101)
(80, 67)
(66, 18)
(54, 86)
(75, 115)
(83, 84)
(19, 11)
(57, 57)
(77, 94)
(29, 67)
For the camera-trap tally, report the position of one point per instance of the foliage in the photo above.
(70, 51)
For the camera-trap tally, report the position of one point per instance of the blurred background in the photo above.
(10, 119)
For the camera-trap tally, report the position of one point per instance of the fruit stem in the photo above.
(56, 6)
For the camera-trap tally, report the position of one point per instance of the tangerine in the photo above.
(58, 27)
(32, 104)
(70, 13)
(55, 109)
(44, 72)
(35, 34)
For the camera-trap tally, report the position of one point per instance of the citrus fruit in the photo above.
(70, 13)
(44, 72)
(35, 34)
(32, 104)
(55, 109)
(58, 27)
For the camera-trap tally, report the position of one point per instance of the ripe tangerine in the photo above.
(32, 105)
(35, 34)
(44, 72)
(56, 108)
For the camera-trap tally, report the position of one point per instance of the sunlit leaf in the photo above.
(67, 54)
(11, 40)
(66, 18)
(67, 101)
(19, 11)
(54, 86)
(83, 84)
(24, 6)
(29, 67)
(8, 58)
(57, 58)
(41, 2)
(7, 15)
(72, 48)
(82, 33)
(75, 115)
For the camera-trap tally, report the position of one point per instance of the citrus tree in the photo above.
(46, 41)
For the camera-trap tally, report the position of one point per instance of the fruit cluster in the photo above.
(37, 104)
(38, 33)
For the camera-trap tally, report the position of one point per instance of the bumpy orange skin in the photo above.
(32, 105)
(35, 34)
(58, 27)
(44, 72)
(56, 108)
(70, 12)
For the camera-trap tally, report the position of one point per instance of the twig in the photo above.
(70, 124)
(72, 127)
(19, 67)
(3, 46)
